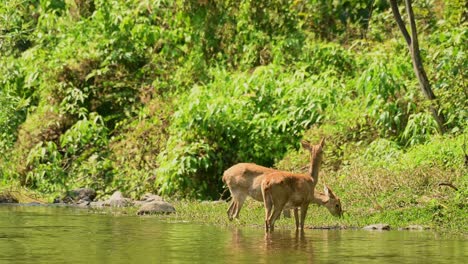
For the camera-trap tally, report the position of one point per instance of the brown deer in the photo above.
(284, 190)
(244, 179)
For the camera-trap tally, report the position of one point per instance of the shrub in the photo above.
(239, 118)
(77, 159)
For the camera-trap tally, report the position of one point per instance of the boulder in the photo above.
(156, 207)
(118, 200)
(415, 228)
(79, 195)
(377, 227)
(98, 204)
(147, 198)
(83, 203)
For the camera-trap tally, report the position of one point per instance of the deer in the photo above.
(285, 190)
(244, 179)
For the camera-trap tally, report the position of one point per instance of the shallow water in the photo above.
(37, 234)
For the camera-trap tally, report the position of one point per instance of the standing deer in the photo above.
(283, 190)
(244, 179)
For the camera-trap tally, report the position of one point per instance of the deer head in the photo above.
(333, 204)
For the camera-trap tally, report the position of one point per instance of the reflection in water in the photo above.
(280, 239)
(65, 235)
(284, 245)
(283, 239)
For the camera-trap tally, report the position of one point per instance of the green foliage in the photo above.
(387, 98)
(323, 59)
(419, 128)
(17, 21)
(78, 154)
(12, 115)
(449, 58)
(331, 18)
(135, 146)
(238, 118)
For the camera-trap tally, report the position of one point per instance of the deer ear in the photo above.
(305, 144)
(322, 142)
(325, 190)
(329, 192)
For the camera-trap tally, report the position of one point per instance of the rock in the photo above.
(80, 196)
(6, 197)
(33, 204)
(118, 200)
(377, 227)
(57, 204)
(415, 227)
(328, 227)
(151, 197)
(98, 204)
(156, 207)
(83, 203)
(147, 198)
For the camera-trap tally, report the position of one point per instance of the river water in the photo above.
(38, 234)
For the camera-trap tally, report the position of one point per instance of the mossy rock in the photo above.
(7, 197)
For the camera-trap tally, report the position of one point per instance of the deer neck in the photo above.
(315, 167)
(320, 198)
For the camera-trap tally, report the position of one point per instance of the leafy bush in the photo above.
(393, 102)
(323, 58)
(135, 146)
(12, 114)
(77, 159)
(449, 59)
(249, 118)
(17, 21)
(419, 128)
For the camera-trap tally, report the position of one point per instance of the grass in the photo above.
(252, 215)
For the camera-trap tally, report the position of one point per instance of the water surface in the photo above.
(37, 234)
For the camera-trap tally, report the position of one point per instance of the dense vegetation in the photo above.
(162, 96)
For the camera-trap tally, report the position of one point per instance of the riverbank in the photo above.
(252, 215)
(425, 185)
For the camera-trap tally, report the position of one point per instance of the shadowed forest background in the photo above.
(163, 96)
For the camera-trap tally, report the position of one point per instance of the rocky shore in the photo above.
(85, 198)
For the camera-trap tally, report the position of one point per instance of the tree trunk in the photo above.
(413, 46)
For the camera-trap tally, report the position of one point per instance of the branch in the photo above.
(449, 185)
(399, 20)
(414, 32)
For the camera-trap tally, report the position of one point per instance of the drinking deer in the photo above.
(244, 179)
(283, 190)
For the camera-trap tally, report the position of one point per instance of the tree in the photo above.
(413, 46)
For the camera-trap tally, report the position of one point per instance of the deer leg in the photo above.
(304, 208)
(287, 213)
(230, 210)
(275, 214)
(239, 203)
(296, 217)
(268, 210)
